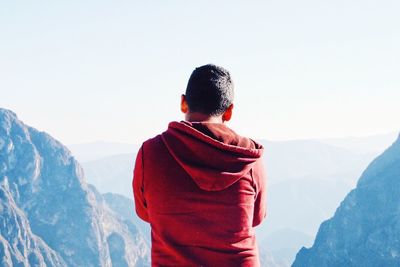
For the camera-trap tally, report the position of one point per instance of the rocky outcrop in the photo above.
(49, 215)
(365, 230)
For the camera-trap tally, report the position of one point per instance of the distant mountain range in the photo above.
(97, 150)
(286, 161)
(319, 159)
(365, 230)
(50, 216)
(374, 144)
(307, 181)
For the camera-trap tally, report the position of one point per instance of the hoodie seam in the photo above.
(253, 183)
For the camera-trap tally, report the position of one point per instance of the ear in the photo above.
(227, 114)
(184, 105)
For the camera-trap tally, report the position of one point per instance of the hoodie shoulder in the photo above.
(153, 144)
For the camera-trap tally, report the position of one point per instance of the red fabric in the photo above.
(202, 188)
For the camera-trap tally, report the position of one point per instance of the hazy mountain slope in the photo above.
(302, 205)
(295, 211)
(111, 174)
(309, 159)
(125, 208)
(365, 230)
(64, 221)
(283, 245)
(285, 161)
(375, 144)
(100, 149)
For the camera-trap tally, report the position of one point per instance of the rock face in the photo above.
(365, 230)
(49, 215)
(124, 206)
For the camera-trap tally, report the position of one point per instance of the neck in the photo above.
(199, 117)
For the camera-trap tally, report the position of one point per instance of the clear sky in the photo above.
(114, 70)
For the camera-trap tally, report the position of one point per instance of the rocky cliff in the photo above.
(365, 230)
(49, 215)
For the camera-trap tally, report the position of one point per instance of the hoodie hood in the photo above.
(211, 153)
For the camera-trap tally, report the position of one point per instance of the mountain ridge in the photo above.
(46, 196)
(365, 228)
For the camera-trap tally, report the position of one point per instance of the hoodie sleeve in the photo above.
(138, 187)
(260, 204)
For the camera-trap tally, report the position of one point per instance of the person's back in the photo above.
(199, 184)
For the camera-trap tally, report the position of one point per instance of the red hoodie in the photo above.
(202, 188)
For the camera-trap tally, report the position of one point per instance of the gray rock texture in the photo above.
(49, 215)
(365, 230)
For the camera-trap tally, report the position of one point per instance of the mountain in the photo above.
(283, 244)
(18, 245)
(126, 209)
(365, 230)
(50, 216)
(112, 174)
(285, 162)
(302, 204)
(375, 144)
(295, 210)
(307, 179)
(372, 145)
(311, 159)
(100, 149)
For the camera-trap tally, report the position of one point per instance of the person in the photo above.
(201, 186)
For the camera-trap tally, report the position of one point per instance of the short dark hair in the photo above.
(209, 90)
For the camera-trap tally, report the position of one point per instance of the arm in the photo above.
(260, 203)
(138, 187)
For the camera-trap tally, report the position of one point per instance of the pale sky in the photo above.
(114, 70)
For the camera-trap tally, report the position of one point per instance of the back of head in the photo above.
(209, 90)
